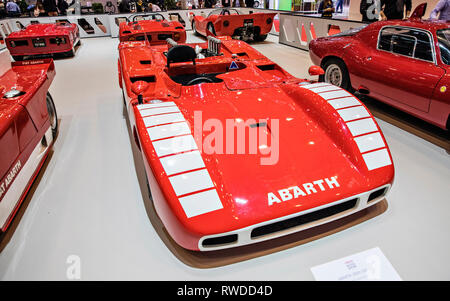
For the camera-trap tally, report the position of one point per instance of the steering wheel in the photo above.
(225, 12)
(199, 79)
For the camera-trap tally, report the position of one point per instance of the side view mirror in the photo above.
(315, 70)
(138, 88)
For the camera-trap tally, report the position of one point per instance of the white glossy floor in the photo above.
(88, 202)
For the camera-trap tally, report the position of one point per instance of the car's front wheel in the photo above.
(336, 73)
(260, 37)
(211, 28)
(52, 116)
(194, 28)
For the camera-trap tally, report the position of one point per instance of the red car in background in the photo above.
(28, 127)
(405, 64)
(152, 27)
(44, 39)
(231, 22)
(330, 158)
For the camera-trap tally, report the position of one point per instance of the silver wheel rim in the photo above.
(333, 75)
(51, 113)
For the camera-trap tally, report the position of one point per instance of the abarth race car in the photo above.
(238, 151)
(152, 27)
(405, 64)
(231, 22)
(44, 39)
(28, 127)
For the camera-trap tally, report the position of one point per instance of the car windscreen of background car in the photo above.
(443, 36)
(350, 32)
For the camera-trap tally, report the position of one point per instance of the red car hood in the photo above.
(152, 25)
(316, 154)
(43, 30)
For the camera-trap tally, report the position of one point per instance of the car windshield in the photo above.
(350, 32)
(224, 11)
(443, 36)
(156, 16)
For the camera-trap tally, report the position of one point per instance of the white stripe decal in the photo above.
(345, 102)
(362, 126)
(163, 110)
(168, 130)
(191, 182)
(19, 184)
(315, 85)
(334, 94)
(182, 162)
(377, 159)
(162, 119)
(324, 89)
(359, 122)
(201, 203)
(155, 105)
(353, 113)
(369, 142)
(174, 145)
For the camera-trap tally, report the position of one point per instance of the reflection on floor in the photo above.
(87, 208)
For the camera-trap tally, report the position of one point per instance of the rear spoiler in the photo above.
(47, 64)
(33, 62)
(419, 12)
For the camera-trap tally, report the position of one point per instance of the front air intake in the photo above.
(303, 219)
(220, 240)
(377, 194)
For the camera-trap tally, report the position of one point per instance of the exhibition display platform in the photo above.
(90, 200)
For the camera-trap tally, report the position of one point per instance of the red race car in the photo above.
(231, 22)
(403, 63)
(304, 153)
(28, 127)
(152, 27)
(43, 39)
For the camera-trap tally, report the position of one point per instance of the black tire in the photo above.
(194, 28)
(52, 115)
(260, 38)
(18, 57)
(336, 73)
(148, 188)
(71, 53)
(211, 28)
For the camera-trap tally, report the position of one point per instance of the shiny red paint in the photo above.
(232, 24)
(157, 31)
(314, 142)
(418, 87)
(47, 32)
(24, 120)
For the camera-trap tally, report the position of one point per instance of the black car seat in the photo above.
(181, 53)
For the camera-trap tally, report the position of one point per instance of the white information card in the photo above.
(370, 265)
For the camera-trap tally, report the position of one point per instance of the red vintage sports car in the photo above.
(332, 158)
(405, 64)
(43, 39)
(152, 27)
(231, 22)
(28, 127)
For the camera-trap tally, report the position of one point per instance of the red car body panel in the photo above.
(315, 144)
(418, 87)
(156, 31)
(45, 32)
(263, 21)
(24, 122)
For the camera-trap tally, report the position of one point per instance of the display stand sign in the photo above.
(370, 265)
